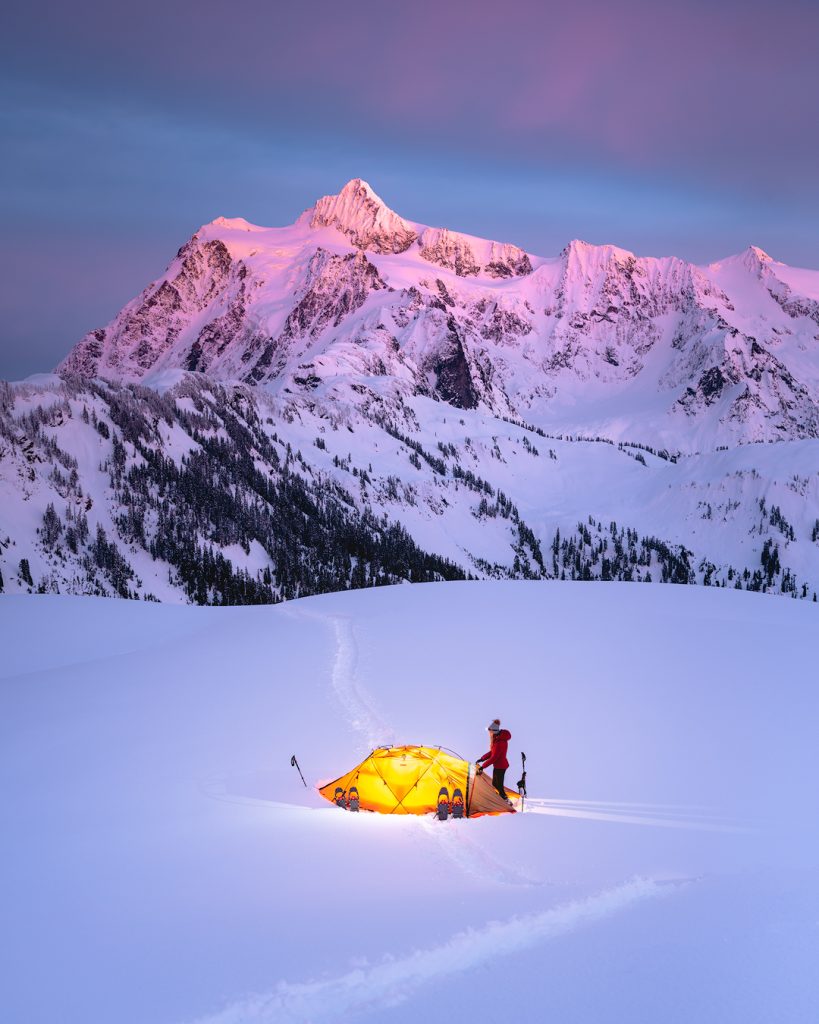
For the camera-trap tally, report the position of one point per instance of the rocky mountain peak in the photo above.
(586, 257)
(755, 259)
(360, 214)
(760, 254)
(230, 223)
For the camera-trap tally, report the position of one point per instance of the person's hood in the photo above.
(504, 734)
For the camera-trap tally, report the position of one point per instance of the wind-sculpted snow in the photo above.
(597, 339)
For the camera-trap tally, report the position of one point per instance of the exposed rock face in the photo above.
(362, 216)
(148, 327)
(225, 330)
(507, 261)
(336, 287)
(455, 252)
(451, 369)
(755, 390)
(448, 249)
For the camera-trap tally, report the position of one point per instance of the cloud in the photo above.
(684, 88)
(682, 128)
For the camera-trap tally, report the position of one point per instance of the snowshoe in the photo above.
(339, 798)
(443, 803)
(353, 800)
(457, 804)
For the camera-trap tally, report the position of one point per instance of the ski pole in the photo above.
(295, 764)
(522, 782)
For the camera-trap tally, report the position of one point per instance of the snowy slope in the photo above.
(165, 864)
(158, 474)
(595, 339)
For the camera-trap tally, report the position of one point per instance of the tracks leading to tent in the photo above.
(359, 707)
(471, 857)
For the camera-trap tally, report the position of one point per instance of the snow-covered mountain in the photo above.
(359, 399)
(594, 340)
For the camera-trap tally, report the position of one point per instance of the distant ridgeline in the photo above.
(218, 494)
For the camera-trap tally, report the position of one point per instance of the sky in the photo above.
(684, 128)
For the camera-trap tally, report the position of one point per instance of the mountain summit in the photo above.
(364, 218)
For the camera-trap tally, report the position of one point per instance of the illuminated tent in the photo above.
(417, 780)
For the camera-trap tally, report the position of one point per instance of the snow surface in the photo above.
(164, 863)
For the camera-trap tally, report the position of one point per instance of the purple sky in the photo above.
(686, 128)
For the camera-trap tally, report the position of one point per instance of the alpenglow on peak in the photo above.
(364, 218)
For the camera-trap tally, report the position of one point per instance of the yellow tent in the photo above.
(417, 780)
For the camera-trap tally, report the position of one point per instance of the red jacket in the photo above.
(497, 752)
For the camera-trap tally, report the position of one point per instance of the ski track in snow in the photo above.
(603, 804)
(390, 982)
(471, 857)
(358, 705)
(658, 819)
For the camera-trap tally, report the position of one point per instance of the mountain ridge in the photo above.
(723, 353)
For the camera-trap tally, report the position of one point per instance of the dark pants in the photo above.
(497, 780)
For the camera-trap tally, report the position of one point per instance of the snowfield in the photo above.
(164, 864)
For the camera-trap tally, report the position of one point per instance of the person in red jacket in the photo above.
(496, 756)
